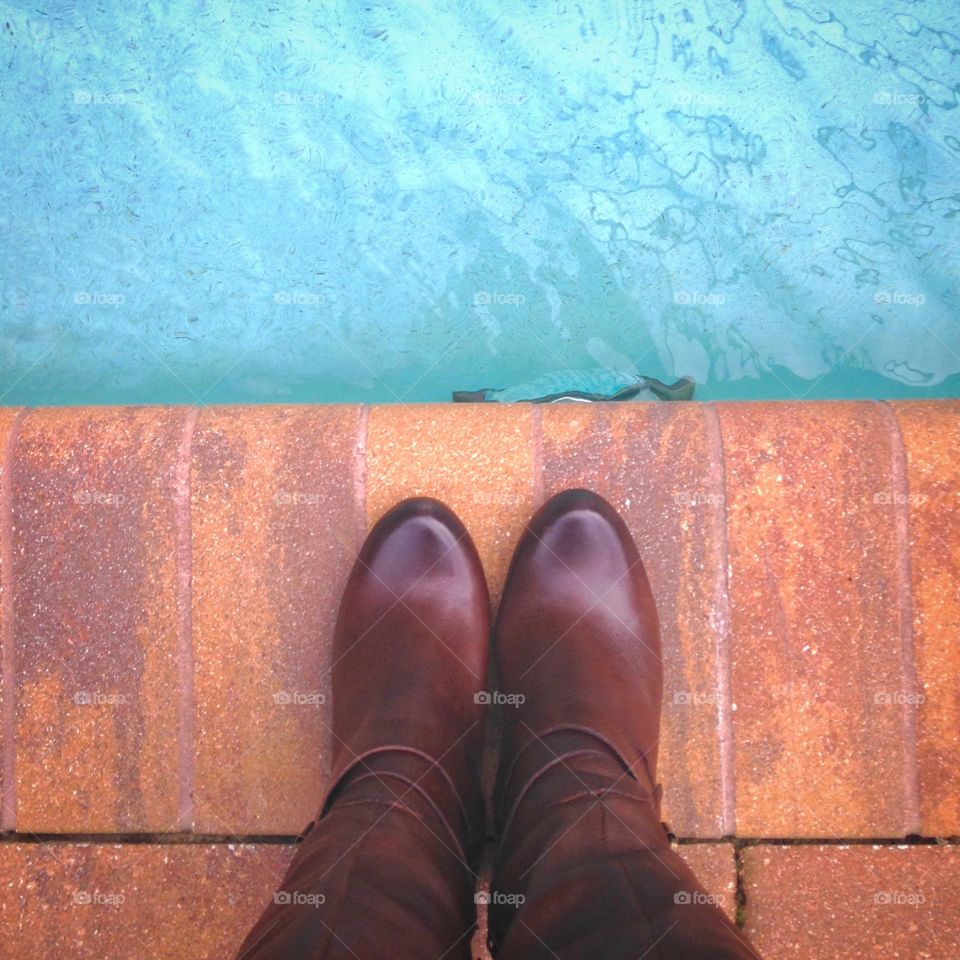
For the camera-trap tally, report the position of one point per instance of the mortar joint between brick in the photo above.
(900, 483)
(727, 745)
(185, 655)
(360, 483)
(360, 472)
(8, 667)
(536, 452)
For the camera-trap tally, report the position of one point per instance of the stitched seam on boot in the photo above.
(379, 775)
(537, 775)
(458, 854)
(542, 738)
(341, 776)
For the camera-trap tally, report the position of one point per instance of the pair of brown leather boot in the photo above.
(583, 867)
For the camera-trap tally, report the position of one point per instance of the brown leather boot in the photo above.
(387, 868)
(584, 868)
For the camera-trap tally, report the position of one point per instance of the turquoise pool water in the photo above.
(220, 202)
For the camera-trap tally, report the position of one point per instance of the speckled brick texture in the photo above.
(856, 902)
(657, 465)
(476, 458)
(815, 630)
(96, 619)
(275, 522)
(119, 902)
(803, 557)
(169, 580)
(931, 437)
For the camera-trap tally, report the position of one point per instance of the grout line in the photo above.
(721, 619)
(536, 453)
(360, 474)
(912, 841)
(904, 588)
(740, 890)
(8, 668)
(147, 839)
(187, 703)
(187, 838)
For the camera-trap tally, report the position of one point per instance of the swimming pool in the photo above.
(225, 202)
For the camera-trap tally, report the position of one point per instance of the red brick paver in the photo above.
(824, 902)
(931, 436)
(118, 902)
(816, 639)
(275, 521)
(96, 619)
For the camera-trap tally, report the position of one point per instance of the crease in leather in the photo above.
(652, 789)
(434, 765)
